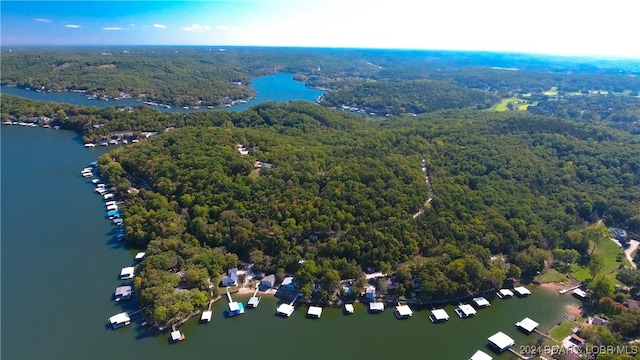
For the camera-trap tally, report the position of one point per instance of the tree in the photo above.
(596, 234)
(596, 264)
(600, 287)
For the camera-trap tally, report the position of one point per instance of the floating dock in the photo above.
(176, 335)
(235, 308)
(119, 320)
(403, 312)
(349, 309)
(255, 300)
(438, 315)
(480, 355)
(504, 293)
(521, 291)
(481, 302)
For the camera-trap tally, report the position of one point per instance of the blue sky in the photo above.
(562, 27)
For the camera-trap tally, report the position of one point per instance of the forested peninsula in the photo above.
(447, 195)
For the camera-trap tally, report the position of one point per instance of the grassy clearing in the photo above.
(502, 105)
(552, 92)
(524, 107)
(609, 251)
(552, 275)
(563, 330)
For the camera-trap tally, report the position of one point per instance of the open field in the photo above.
(502, 105)
(552, 275)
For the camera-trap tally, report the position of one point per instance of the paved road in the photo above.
(633, 244)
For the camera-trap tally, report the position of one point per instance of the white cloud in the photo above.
(159, 26)
(113, 28)
(222, 27)
(72, 26)
(196, 27)
(43, 20)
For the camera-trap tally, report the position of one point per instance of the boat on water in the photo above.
(89, 145)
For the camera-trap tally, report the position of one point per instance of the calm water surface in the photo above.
(60, 265)
(280, 87)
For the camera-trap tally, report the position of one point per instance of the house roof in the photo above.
(632, 304)
(269, 278)
(501, 340)
(288, 281)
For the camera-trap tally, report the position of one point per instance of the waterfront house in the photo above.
(527, 325)
(267, 282)
(620, 234)
(119, 320)
(231, 279)
(521, 291)
(370, 292)
(123, 293)
(314, 312)
(481, 302)
(501, 341)
(465, 310)
(127, 273)
(438, 315)
(480, 355)
(288, 284)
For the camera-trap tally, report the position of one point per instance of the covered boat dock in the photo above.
(527, 325)
(438, 315)
(501, 341)
(465, 310)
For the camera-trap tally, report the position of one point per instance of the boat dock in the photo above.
(563, 291)
(255, 300)
(235, 308)
(287, 309)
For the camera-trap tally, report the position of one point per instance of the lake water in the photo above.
(279, 87)
(60, 264)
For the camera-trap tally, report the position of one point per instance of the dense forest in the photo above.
(453, 201)
(342, 192)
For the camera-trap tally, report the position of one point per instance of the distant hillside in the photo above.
(417, 97)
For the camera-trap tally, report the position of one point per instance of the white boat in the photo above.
(89, 145)
(87, 174)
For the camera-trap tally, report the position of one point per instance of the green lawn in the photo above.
(563, 329)
(552, 275)
(502, 105)
(552, 92)
(609, 251)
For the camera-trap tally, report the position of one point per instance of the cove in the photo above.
(279, 87)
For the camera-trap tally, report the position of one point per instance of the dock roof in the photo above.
(501, 341)
(176, 335)
(349, 308)
(505, 293)
(376, 306)
(123, 290)
(404, 310)
(119, 318)
(233, 306)
(522, 291)
(314, 311)
(140, 256)
(467, 309)
(527, 324)
(480, 355)
(254, 301)
(580, 293)
(285, 309)
(127, 271)
(440, 314)
(206, 316)
(481, 302)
